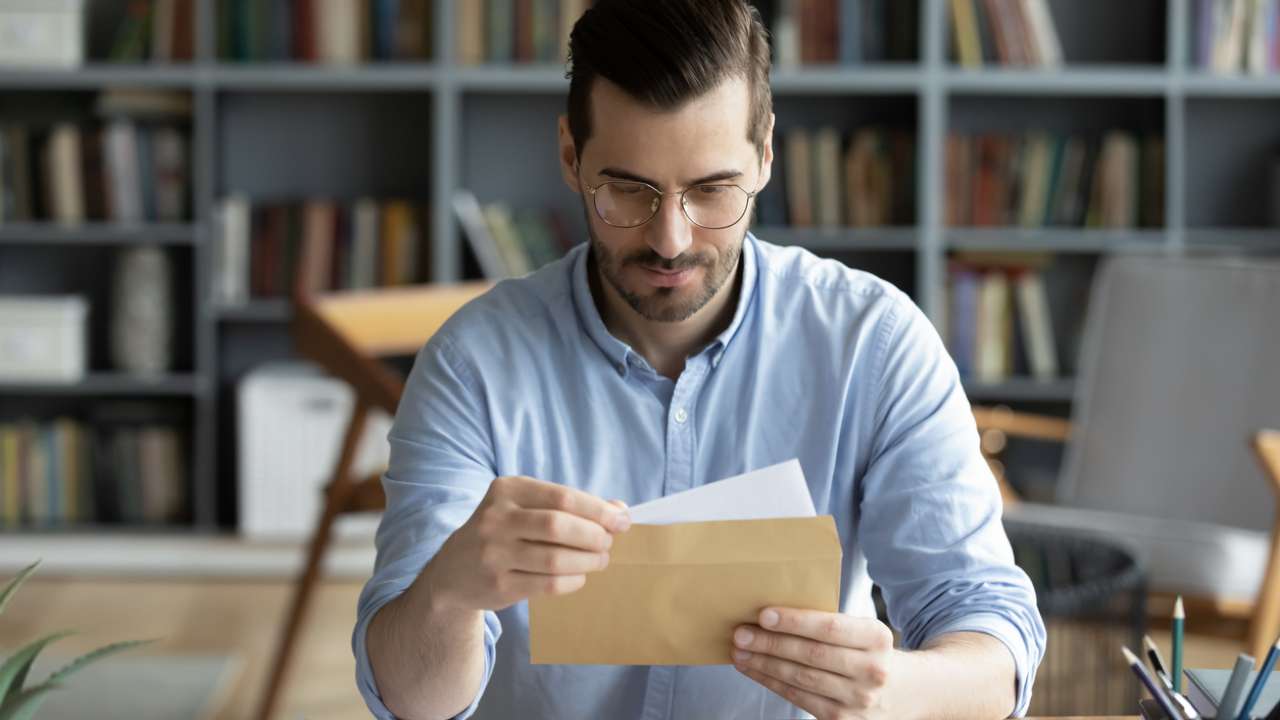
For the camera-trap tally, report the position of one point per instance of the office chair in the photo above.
(1180, 368)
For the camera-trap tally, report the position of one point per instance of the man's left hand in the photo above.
(835, 666)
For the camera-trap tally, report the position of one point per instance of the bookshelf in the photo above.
(286, 130)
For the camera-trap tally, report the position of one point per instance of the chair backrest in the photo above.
(346, 332)
(1179, 368)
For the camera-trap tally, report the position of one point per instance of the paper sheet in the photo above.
(776, 491)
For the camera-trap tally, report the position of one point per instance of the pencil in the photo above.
(1179, 618)
(1259, 682)
(1152, 687)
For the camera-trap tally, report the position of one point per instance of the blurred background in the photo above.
(174, 172)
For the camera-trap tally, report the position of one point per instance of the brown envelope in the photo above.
(673, 594)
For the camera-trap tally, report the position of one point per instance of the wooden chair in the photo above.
(346, 334)
(1177, 372)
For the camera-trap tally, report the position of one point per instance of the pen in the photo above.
(1179, 618)
(1157, 664)
(1152, 687)
(1259, 682)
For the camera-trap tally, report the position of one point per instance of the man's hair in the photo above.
(667, 52)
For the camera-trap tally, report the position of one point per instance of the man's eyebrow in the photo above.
(620, 174)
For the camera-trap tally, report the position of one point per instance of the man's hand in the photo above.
(833, 665)
(526, 538)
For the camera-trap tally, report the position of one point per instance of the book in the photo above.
(570, 11)
(232, 257)
(497, 217)
(500, 30)
(799, 177)
(964, 26)
(1036, 325)
(1205, 689)
(338, 26)
(471, 33)
(992, 346)
(474, 228)
(64, 182)
(827, 167)
(363, 273)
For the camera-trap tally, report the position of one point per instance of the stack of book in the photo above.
(516, 31)
(997, 320)
(156, 30)
(347, 246)
(131, 166)
(1044, 179)
(325, 31)
(510, 244)
(864, 179)
(1004, 32)
(65, 472)
(1237, 36)
(809, 32)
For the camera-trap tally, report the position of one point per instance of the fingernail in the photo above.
(743, 637)
(769, 618)
(741, 656)
(621, 522)
(604, 560)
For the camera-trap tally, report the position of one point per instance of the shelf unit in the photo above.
(440, 126)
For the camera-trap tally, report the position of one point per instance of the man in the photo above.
(672, 350)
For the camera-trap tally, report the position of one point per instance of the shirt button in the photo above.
(681, 416)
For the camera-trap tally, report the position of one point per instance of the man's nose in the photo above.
(669, 232)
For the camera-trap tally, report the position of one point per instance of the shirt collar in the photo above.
(618, 352)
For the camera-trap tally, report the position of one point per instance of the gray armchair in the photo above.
(1179, 371)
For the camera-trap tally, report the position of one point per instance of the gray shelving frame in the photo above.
(932, 85)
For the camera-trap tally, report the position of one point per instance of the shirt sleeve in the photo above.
(441, 467)
(929, 508)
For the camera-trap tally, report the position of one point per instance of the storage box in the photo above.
(43, 33)
(292, 419)
(42, 338)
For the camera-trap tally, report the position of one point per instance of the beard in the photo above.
(666, 304)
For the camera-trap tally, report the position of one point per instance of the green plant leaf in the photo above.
(24, 705)
(90, 657)
(14, 583)
(13, 673)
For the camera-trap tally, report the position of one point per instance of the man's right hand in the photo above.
(527, 538)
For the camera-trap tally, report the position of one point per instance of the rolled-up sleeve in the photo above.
(441, 466)
(929, 508)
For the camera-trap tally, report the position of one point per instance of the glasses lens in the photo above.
(626, 204)
(715, 206)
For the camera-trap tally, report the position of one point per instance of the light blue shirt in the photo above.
(820, 362)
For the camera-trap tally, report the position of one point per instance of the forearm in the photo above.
(428, 660)
(961, 675)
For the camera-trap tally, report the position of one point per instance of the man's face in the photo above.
(667, 269)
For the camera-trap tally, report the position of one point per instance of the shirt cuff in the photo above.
(368, 686)
(1004, 630)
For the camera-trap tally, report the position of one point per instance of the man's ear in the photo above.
(568, 156)
(766, 157)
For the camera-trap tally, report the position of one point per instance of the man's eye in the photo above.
(630, 189)
(712, 189)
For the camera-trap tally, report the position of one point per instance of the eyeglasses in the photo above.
(627, 204)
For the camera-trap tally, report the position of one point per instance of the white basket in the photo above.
(42, 33)
(42, 339)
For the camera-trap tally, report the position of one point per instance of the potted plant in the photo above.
(18, 701)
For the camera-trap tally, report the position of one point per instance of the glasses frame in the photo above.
(591, 190)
